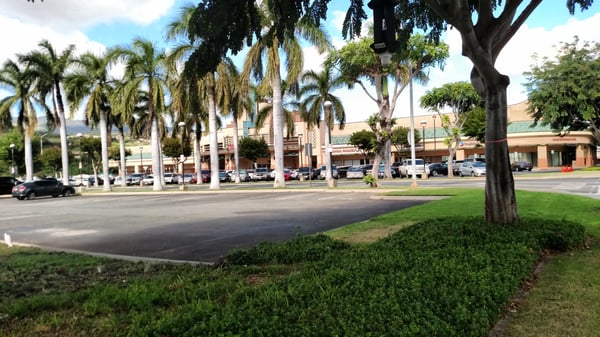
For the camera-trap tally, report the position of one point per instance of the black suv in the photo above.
(7, 183)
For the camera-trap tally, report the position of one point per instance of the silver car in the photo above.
(474, 169)
(355, 172)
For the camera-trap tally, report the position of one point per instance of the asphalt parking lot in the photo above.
(198, 227)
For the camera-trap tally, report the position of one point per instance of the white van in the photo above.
(406, 168)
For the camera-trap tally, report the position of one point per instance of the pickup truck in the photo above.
(405, 169)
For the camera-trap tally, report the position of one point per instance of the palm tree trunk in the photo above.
(64, 148)
(214, 142)
(104, 148)
(157, 186)
(28, 154)
(278, 127)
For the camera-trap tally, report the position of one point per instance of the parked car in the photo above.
(287, 174)
(118, 180)
(355, 172)
(136, 178)
(171, 178)
(42, 187)
(406, 168)
(438, 169)
(262, 173)
(342, 171)
(303, 171)
(334, 172)
(7, 184)
(148, 180)
(474, 169)
(521, 166)
(223, 177)
(243, 173)
(455, 166)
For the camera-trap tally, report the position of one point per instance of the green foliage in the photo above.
(364, 141)
(252, 148)
(51, 160)
(449, 276)
(302, 249)
(114, 152)
(171, 147)
(370, 180)
(565, 92)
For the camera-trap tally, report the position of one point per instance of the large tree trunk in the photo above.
(500, 200)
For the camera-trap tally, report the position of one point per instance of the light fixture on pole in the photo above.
(42, 143)
(12, 159)
(384, 29)
(182, 158)
(434, 138)
(140, 168)
(80, 162)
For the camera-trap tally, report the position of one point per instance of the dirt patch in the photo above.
(374, 234)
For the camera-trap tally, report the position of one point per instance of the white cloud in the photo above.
(67, 15)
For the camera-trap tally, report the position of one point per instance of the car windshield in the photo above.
(478, 164)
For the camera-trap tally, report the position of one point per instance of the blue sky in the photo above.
(97, 24)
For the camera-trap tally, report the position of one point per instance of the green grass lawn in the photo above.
(431, 270)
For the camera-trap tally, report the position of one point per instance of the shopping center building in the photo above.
(536, 144)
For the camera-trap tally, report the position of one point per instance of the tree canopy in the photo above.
(565, 92)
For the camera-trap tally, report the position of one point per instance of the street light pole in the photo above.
(80, 163)
(182, 158)
(42, 143)
(434, 139)
(12, 159)
(140, 168)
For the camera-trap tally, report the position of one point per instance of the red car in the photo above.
(205, 174)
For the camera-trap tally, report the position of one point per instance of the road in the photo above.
(207, 225)
(200, 227)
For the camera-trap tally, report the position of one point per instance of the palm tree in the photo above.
(21, 83)
(50, 69)
(145, 68)
(206, 86)
(88, 84)
(317, 97)
(232, 101)
(274, 40)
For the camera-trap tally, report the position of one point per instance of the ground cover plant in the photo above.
(431, 276)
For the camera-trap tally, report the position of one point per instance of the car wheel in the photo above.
(67, 193)
(461, 174)
(31, 196)
(435, 173)
(54, 195)
(473, 173)
(20, 198)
